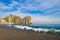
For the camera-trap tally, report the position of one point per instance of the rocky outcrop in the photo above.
(2, 21)
(27, 20)
(13, 19)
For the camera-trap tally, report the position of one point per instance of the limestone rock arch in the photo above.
(27, 20)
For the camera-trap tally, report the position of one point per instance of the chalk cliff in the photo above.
(13, 19)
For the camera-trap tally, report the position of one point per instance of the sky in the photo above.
(41, 11)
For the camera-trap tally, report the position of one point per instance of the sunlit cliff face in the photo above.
(13, 19)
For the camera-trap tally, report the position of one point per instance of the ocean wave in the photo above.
(35, 29)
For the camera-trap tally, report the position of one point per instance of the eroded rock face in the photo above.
(2, 21)
(13, 19)
(27, 20)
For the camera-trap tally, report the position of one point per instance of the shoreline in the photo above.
(7, 33)
(36, 29)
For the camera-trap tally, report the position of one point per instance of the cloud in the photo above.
(37, 19)
(9, 8)
(41, 11)
(31, 5)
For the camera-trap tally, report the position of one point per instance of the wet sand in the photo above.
(12, 34)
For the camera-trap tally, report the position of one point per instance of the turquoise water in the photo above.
(47, 26)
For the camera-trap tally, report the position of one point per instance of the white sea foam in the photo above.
(33, 29)
(9, 25)
(37, 29)
(40, 29)
(20, 27)
(29, 28)
(57, 30)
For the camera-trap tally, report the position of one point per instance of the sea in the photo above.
(40, 27)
